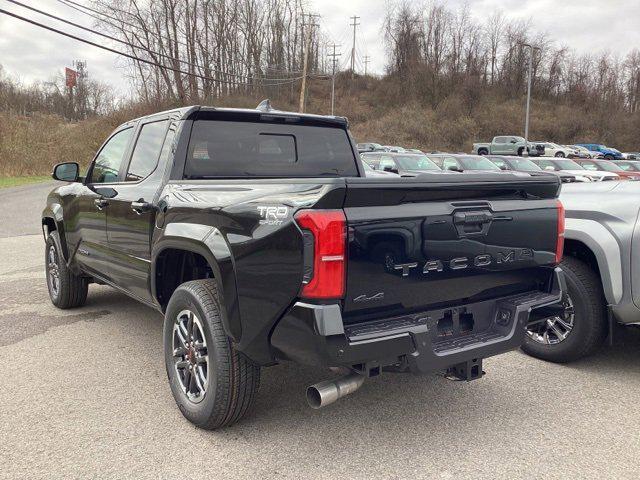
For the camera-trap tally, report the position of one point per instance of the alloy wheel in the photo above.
(53, 272)
(555, 329)
(190, 355)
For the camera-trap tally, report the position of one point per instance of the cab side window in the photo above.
(109, 160)
(500, 140)
(147, 150)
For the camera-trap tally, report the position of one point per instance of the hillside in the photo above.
(379, 110)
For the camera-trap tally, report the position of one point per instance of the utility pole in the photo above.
(307, 46)
(366, 63)
(526, 118)
(354, 24)
(334, 61)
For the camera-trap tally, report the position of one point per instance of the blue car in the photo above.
(609, 153)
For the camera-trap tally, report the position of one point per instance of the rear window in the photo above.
(247, 149)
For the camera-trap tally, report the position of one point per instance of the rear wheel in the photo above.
(608, 157)
(483, 151)
(212, 383)
(520, 151)
(559, 154)
(579, 326)
(66, 289)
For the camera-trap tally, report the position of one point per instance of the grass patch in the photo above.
(16, 181)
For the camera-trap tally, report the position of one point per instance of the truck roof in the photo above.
(264, 108)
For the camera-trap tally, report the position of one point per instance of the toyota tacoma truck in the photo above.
(257, 235)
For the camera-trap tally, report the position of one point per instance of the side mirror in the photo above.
(389, 168)
(502, 167)
(66, 172)
(513, 141)
(454, 168)
(549, 168)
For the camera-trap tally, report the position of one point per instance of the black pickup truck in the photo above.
(257, 236)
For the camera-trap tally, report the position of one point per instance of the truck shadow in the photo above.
(397, 409)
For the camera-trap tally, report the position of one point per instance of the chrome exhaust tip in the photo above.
(325, 393)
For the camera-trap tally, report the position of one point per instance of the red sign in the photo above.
(71, 77)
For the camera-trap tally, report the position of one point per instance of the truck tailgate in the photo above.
(416, 244)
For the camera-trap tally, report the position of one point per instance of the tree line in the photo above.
(440, 50)
(203, 49)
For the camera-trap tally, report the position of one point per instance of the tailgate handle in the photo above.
(472, 223)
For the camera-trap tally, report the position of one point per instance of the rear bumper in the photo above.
(420, 342)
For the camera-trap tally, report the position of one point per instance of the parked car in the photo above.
(632, 155)
(253, 233)
(607, 166)
(554, 150)
(507, 145)
(404, 164)
(608, 153)
(570, 166)
(413, 150)
(465, 163)
(601, 263)
(578, 153)
(369, 147)
(584, 152)
(519, 164)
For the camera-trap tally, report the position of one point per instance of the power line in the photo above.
(133, 57)
(97, 15)
(124, 42)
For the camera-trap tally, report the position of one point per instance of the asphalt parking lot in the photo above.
(83, 394)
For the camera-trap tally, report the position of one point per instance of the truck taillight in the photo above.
(560, 241)
(327, 229)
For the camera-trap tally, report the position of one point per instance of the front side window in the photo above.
(108, 162)
(387, 162)
(546, 164)
(500, 163)
(569, 165)
(589, 166)
(372, 160)
(264, 149)
(478, 163)
(609, 166)
(416, 162)
(147, 150)
(524, 164)
(450, 163)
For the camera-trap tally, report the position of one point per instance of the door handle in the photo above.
(141, 207)
(100, 203)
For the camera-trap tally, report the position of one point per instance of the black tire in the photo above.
(483, 151)
(66, 289)
(590, 319)
(520, 151)
(560, 154)
(232, 379)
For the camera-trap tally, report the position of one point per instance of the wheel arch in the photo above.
(591, 242)
(193, 244)
(52, 220)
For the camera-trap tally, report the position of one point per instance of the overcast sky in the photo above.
(30, 53)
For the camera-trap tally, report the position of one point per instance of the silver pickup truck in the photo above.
(602, 271)
(508, 145)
